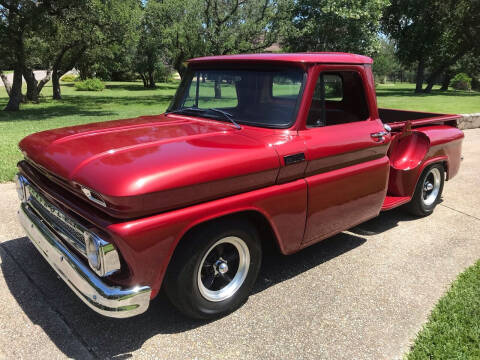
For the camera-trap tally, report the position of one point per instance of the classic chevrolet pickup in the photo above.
(254, 151)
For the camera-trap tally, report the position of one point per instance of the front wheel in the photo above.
(428, 191)
(214, 269)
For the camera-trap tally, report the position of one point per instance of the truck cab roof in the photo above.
(308, 57)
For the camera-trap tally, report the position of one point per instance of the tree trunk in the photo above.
(432, 79)
(218, 89)
(45, 80)
(16, 91)
(151, 80)
(179, 64)
(420, 75)
(6, 82)
(446, 80)
(144, 79)
(56, 90)
(441, 68)
(32, 85)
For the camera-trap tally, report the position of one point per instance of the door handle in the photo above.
(379, 135)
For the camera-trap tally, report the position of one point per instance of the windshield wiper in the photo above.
(190, 108)
(225, 114)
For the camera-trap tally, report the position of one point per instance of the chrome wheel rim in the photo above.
(431, 186)
(223, 269)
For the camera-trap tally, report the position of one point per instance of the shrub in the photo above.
(90, 85)
(163, 73)
(69, 78)
(462, 82)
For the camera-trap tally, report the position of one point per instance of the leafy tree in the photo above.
(385, 63)
(112, 38)
(459, 38)
(35, 48)
(334, 25)
(237, 26)
(179, 27)
(470, 65)
(97, 37)
(6, 60)
(148, 58)
(22, 19)
(432, 34)
(150, 50)
(175, 30)
(462, 81)
(416, 32)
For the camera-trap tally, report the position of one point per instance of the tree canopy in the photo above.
(334, 25)
(432, 33)
(126, 39)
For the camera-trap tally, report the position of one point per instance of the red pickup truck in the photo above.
(254, 151)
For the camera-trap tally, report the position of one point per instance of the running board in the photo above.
(392, 202)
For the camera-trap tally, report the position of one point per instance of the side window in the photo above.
(333, 88)
(339, 98)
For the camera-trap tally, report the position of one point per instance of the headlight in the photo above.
(102, 256)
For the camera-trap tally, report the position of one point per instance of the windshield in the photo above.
(266, 98)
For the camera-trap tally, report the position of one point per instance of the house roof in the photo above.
(308, 57)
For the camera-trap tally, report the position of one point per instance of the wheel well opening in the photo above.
(445, 167)
(265, 231)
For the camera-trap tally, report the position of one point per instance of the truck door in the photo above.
(347, 170)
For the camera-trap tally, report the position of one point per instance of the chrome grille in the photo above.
(66, 227)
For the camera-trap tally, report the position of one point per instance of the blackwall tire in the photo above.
(214, 269)
(428, 191)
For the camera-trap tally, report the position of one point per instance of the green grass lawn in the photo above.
(453, 329)
(125, 100)
(117, 101)
(401, 96)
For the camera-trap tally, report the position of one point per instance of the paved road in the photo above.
(39, 74)
(363, 294)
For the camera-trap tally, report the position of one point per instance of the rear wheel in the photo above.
(428, 191)
(213, 269)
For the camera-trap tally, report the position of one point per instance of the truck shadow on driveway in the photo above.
(118, 338)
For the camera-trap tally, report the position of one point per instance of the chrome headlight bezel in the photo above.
(102, 256)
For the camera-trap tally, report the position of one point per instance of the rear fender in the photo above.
(411, 153)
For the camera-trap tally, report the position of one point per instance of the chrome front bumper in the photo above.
(104, 299)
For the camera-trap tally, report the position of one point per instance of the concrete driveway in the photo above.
(362, 294)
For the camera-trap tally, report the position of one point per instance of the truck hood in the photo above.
(169, 160)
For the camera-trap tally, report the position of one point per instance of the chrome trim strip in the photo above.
(102, 298)
(20, 185)
(68, 229)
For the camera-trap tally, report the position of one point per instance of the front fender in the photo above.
(147, 244)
